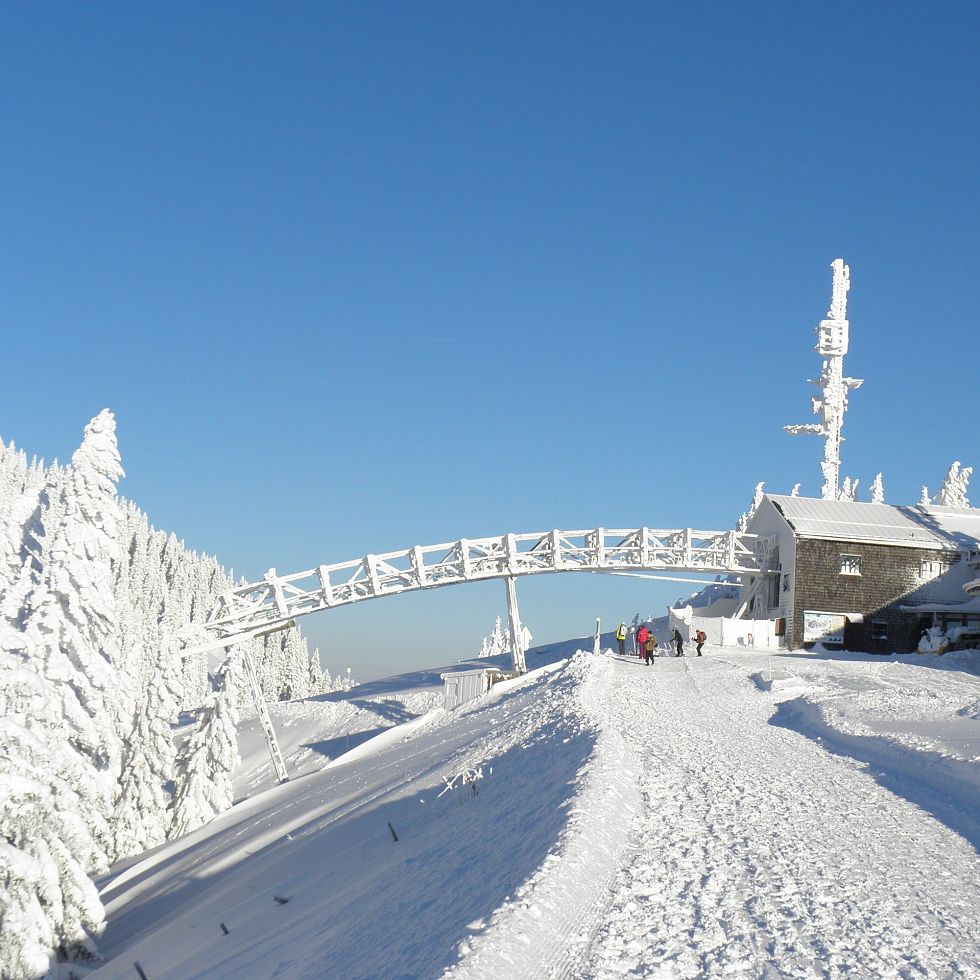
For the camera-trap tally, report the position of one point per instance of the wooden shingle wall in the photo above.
(889, 576)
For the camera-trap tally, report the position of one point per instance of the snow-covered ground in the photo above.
(737, 814)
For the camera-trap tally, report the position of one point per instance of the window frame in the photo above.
(846, 560)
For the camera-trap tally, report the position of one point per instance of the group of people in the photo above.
(646, 642)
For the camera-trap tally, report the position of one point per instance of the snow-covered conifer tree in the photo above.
(69, 614)
(315, 679)
(878, 490)
(294, 682)
(23, 539)
(207, 760)
(342, 682)
(495, 643)
(848, 490)
(953, 492)
(269, 666)
(141, 816)
(20, 488)
(48, 904)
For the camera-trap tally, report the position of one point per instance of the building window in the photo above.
(879, 629)
(930, 568)
(850, 564)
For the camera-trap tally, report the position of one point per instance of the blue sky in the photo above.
(360, 276)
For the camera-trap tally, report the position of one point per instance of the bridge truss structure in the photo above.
(277, 601)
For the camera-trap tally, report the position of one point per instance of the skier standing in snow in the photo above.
(649, 648)
(641, 638)
(621, 639)
(679, 641)
(700, 637)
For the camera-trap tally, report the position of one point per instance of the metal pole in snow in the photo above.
(596, 644)
(263, 712)
(516, 629)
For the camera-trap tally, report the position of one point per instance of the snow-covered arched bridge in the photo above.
(278, 600)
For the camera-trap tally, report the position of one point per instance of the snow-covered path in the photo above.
(734, 815)
(759, 853)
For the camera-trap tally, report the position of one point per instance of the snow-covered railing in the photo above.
(278, 599)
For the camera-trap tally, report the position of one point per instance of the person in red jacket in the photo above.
(641, 639)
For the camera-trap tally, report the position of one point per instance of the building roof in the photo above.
(970, 606)
(937, 528)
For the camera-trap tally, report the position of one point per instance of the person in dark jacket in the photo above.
(679, 642)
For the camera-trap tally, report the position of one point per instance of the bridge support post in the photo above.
(263, 712)
(516, 628)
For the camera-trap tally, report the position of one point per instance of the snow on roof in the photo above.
(939, 528)
(969, 606)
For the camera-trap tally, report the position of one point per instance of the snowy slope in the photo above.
(315, 730)
(736, 814)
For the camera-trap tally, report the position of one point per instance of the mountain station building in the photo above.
(861, 576)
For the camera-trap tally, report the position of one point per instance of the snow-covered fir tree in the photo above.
(496, 643)
(344, 682)
(294, 679)
(315, 674)
(48, 904)
(878, 490)
(141, 818)
(20, 488)
(68, 616)
(207, 760)
(142, 811)
(848, 490)
(953, 492)
(93, 600)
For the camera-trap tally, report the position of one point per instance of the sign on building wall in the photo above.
(823, 627)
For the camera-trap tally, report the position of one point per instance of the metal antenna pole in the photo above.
(832, 344)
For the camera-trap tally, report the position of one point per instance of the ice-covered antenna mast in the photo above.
(832, 339)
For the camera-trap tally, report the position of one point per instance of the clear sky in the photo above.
(355, 277)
